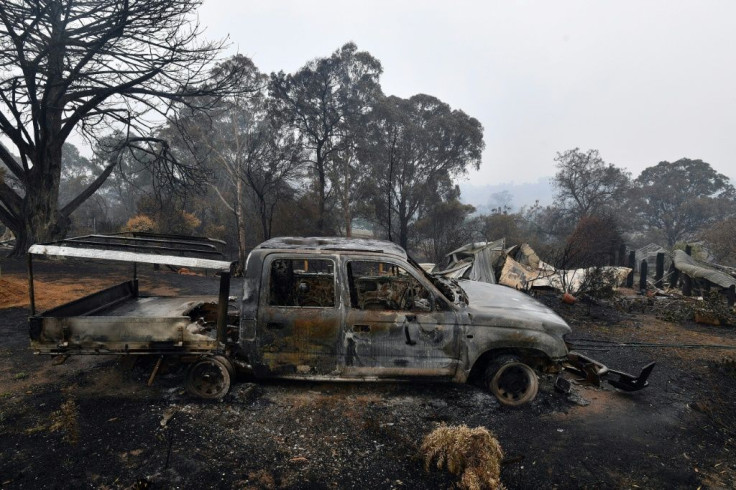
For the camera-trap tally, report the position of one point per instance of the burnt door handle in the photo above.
(274, 325)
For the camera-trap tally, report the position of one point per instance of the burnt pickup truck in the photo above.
(315, 308)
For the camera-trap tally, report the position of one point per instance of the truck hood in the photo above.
(494, 305)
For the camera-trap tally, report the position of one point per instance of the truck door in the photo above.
(299, 316)
(394, 325)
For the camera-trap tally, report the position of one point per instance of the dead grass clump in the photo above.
(65, 419)
(473, 454)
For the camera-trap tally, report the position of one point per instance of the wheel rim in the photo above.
(514, 384)
(208, 378)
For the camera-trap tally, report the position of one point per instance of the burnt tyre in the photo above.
(229, 365)
(511, 381)
(208, 378)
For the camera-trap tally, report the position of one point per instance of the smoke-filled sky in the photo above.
(641, 81)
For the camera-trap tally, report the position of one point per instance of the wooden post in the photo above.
(622, 255)
(687, 285)
(632, 266)
(659, 273)
(674, 275)
(731, 296)
(643, 276)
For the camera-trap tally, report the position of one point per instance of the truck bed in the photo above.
(156, 306)
(117, 320)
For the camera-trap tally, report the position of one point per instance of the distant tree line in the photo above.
(599, 206)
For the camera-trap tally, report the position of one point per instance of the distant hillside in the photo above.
(488, 196)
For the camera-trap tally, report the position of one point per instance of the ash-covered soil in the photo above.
(93, 421)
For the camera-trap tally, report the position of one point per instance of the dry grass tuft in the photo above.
(473, 454)
(65, 419)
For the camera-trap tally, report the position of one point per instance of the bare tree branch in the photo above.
(98, 67)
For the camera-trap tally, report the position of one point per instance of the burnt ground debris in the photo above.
(92, 421)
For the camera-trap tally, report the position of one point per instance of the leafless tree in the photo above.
(93, 66)
(586, 185)
(251, 154)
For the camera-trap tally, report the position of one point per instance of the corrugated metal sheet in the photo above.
(687, 265)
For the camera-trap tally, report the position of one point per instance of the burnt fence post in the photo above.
(622, 255)
(687, 285)
(731, 295)
(632, 266)
(674, 275)
(643, 275)
(659, 273)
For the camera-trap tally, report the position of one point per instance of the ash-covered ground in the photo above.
(93, 421)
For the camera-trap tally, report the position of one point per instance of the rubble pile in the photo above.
(520, 267)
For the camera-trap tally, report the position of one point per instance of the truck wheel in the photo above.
(229, 365)
(511, 381)
(208, 378)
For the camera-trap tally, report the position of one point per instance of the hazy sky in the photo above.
(641, 81)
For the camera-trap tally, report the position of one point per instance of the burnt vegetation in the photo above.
(186, 141)
(181, 139)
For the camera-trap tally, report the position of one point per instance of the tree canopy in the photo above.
(326, 101)
(414, 146)
(679, 198)
(587, 185)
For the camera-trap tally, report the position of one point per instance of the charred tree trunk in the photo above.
(346, 202)
(241, 224)
(321, 190)
(403, 225)
(265, 222)
(41, 220)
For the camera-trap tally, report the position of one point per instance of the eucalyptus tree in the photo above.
(586, 185)
(412, 147)
(326, 101)
(680, 198)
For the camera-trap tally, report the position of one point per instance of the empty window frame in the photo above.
(302, 282)
(384, 286)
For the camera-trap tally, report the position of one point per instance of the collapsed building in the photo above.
(518, 267)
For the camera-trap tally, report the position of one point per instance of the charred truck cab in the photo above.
(328, 309)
